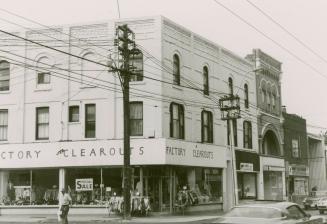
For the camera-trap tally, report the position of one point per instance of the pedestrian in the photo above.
(64, 201)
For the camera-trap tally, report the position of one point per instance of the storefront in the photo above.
(297, 176)
(248, 167)
(32, 174)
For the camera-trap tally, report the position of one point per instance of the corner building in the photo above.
(62, 117)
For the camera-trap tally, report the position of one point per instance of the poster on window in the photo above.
(84, 184)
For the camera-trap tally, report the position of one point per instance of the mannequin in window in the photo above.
(11, 191)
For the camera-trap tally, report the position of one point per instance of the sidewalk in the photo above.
(187, 218)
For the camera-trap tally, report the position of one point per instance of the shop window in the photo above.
(3, 125)
(205, 81)
(207, 126)
(246, 96)
(247, 135)
(90, 121)
(73, 113)
(295, 148)
(136, 118)
(230, 86)
(137, 66)
(176, 70)
(42, 123)
(43, 78)
(234, 131)
(4, 75)
(176, 121)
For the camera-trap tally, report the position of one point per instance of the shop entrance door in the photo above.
(247, 185)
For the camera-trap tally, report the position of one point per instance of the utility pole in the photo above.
(126, 48)
(230, 110)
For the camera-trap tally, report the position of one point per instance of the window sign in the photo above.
(84, 184)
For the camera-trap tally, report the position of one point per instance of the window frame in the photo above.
(87, 122)
(70, 114)
(5, 125)
(176, 70)
(247, 135)
(138, 72)
(205, 80)
(43, 75)
(136, 119)
(3, 74)
(180, 119)
(208, 126)
(37, 124)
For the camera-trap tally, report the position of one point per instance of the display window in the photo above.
(31, 187)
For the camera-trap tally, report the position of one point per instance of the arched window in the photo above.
(176, 121)
(43, 73)
(230, 86)
(246, 96)
(206, 126)
(176, 70)
(4, 75)
(137, 66)
(247, 135)
(205, 81)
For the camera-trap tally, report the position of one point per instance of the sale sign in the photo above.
(84, 184)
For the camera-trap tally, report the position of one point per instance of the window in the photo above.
(43, 78)
(42, 123)
(269, 101)
(137, 66)
(3, 125)
(205, 81)
(246, 96)
(207, 126)
(90, 120)
(247, 135)
(74, 114)
(234, 130)
(295, 148)
(176, 70)
(136, 118)
(176, 121)
(4, 75)
(230, 86)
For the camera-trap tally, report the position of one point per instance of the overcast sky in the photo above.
(303, 89)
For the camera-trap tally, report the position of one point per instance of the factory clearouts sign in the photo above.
(84, 184)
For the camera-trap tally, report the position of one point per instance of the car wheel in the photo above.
(321, 211)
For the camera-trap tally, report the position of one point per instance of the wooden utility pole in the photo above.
(126, 49)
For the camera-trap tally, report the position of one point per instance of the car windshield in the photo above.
(254, 212)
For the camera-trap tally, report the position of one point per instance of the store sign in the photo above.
(84, 184)
(246, 167)
(298, 170)
(273, 168)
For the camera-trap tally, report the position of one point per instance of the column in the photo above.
(62, 181)
(4, 178)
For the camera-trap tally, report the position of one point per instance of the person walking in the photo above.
(64, 201)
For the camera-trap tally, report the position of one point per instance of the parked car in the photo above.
(313, 198)
(322, 205)
(277, 213)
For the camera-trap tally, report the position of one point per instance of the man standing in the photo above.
(64, 201)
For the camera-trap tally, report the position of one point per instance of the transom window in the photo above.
(207, 126)
(176, 70)
(136, 118)
(42, 123)
(4, 75)
(176, 121)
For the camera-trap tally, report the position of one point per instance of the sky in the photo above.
(304, 75)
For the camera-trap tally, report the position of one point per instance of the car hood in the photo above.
(246, 220)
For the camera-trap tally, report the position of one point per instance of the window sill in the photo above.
(87, 87)
(4, 142)
(42, 140)
(74, 122)
(43, 87)
(5, 92)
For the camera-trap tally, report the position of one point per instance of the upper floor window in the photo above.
(247, 135)
(176, 70)
(246, 96)
(74, 113)
(207, 126)
(230, 86)
(3, 125)
(273, 101)
(295, 148)
(234, 121)
(205, 81)
(90, 121)
(42, 123)
(137, 66)
(136, 118)
(176, 121)
(43, 75)
(43, 78)
(4, 75)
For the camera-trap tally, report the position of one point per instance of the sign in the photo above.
(84, 184)
(298, 170)
(273, 168)
(246, 167)
(108, 189)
